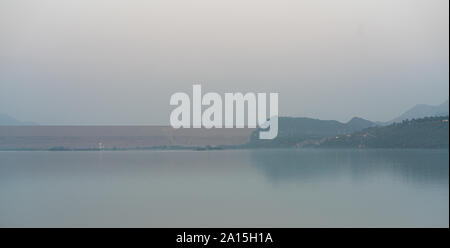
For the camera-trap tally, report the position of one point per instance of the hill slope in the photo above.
(293, 130)
(429, 132)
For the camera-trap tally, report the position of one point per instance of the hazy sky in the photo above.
(118, 62)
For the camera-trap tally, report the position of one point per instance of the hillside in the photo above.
(429, 132)
(294, 130)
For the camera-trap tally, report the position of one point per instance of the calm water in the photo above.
(262, 188)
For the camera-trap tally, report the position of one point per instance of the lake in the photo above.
(225, 188)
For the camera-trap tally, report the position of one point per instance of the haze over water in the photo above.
(233, 188)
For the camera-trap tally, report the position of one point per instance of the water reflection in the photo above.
(229, 188)
(408, 166)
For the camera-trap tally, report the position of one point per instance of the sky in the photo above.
(93, 62)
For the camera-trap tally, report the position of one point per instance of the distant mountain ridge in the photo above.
(421, 111)
(6, 120)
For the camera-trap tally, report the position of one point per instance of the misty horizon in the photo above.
(31, 122)
(118, 62)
